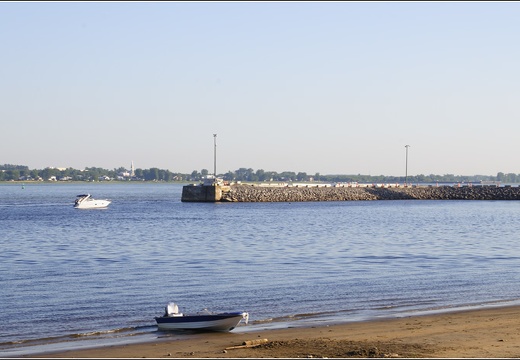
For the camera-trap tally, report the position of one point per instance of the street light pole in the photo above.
(215, 155)
(406, 168)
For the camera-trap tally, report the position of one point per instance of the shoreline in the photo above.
(475, 333)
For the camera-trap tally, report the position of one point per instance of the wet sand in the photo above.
(481, 333)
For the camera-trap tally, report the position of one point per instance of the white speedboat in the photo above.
(86, 201)
(205, 321)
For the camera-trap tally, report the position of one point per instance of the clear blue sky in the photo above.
(327, 87)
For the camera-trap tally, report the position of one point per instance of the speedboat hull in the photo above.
(213, 322)
(92, 204)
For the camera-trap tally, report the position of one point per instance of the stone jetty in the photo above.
(253, 193)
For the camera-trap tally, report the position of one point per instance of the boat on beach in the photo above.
(202, 321)
(86, 201)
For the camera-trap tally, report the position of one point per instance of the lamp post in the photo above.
(406, 167)
(215, 155)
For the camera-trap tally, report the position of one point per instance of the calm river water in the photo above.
(71, 277)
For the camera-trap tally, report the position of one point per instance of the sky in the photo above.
(315, 87)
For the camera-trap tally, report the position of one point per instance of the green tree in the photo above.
(13, 174)
(151, 174)
(301, 176)
(139, 173)
(48, 173)
(261, 175)
(34, 174)
(229, 176)
(288, 176)
(244, 174)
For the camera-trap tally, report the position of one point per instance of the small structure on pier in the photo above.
(210, 190)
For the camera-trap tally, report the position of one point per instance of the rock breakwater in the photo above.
(251, 193)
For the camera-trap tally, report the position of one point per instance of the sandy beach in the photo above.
(480, 333)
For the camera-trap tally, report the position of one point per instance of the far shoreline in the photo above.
(35, 182)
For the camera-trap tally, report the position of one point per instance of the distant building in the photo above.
(127, 175)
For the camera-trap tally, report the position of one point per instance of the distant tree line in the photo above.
(244, 174)
(23, 173)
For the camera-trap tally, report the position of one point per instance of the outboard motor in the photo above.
(172, 310)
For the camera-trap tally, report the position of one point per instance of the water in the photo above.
(72, 277)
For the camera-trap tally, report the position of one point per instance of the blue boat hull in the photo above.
(214, 322)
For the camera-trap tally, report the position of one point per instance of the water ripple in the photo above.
(87, 275)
